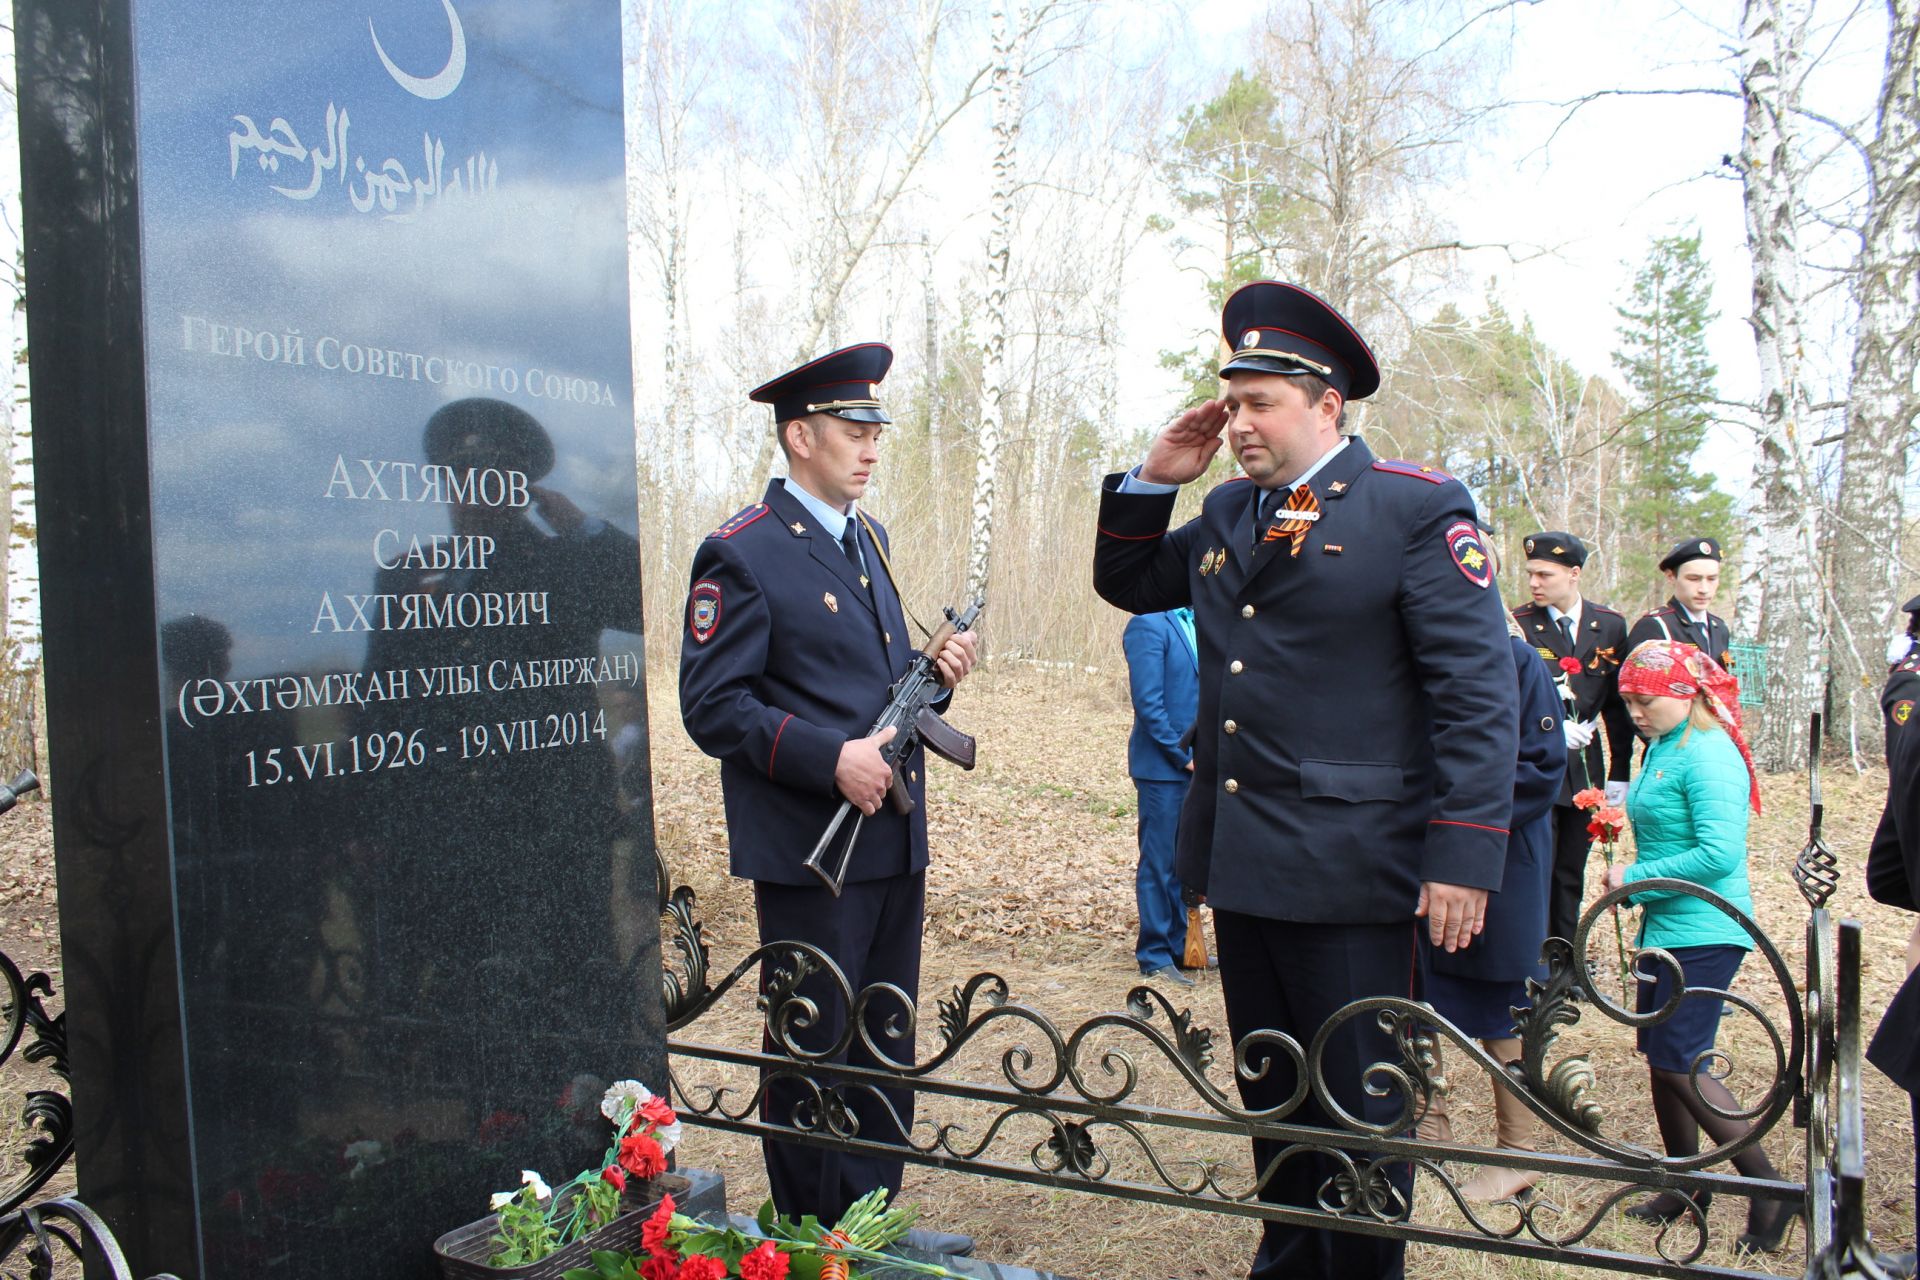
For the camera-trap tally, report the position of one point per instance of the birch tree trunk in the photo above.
(1883, 401)
(1791, 617)
(1009, 22)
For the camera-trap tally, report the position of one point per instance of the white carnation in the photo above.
(668, 1136)
(623, 1098)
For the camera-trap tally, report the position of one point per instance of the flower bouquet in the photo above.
(675, 1247)
(538, 1230)
(1604, 829)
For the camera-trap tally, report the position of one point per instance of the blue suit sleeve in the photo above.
(720, 680)
(1457, 630)
(1145, 641)
(1542, 761)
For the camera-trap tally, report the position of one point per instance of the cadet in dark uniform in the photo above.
(1582, 642)
(1893, 877)
(1903, 682)
(795, 630)
(1692, 571)
(1355, 745)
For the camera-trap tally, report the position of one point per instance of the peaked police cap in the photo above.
(844, 383)
(1281, 328)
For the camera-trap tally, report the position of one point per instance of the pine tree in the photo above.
(1670, 385)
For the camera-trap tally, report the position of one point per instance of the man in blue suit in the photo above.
(795, 631)
(1163, 675)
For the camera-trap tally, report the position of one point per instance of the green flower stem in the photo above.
(682, 1225)
(1619, 933)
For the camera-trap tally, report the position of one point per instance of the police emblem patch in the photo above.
(1902, 710)
(1463, 544)
(703, 610)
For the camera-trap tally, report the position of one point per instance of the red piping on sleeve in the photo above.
(1448, 822)
(776, 745)
(1131, 537)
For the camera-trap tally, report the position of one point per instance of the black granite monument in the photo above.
(333, 396)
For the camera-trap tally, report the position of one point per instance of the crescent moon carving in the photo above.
(448, 78)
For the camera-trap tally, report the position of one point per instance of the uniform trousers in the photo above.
(1571, 845)
(1292, 977)
(1156, 889)
(872, 931)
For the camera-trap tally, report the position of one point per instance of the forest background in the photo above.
(1639, 271)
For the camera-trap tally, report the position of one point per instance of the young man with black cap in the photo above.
(1692, 571)
(1582, 643)
(1356, 737)
(795, 631)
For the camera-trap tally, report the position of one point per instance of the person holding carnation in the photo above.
(1689, 811)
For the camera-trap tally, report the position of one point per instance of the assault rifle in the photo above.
(910, 714)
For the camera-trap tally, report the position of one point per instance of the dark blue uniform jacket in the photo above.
(797, 658)
(1509, 947)
(1356, 732)
(1893, 867)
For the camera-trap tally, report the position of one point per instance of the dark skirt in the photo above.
(1481, 1007)
(1674, 1045)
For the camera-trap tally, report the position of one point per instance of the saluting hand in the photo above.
(1181, 452)
(862, 776)
(1454, 913)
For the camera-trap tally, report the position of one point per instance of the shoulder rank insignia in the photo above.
(1394, 466)
(703, 610)
(1903, 710)
(1463, 544)
(740, 521)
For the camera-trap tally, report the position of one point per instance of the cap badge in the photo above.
(1251, 338)
(1559, 551)
(1706, 548)
(833, 606)
(1529, 546)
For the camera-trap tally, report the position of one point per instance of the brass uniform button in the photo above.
(888, 636)
(1236, 666)
(1246, 611)
(1231, 727)
(913, 775)
(1233, 786)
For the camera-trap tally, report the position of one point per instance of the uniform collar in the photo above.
(832, 523)
(1315, 469)
(1572, 615)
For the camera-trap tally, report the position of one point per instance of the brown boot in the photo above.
(1514, 1125)
(1433, 1125)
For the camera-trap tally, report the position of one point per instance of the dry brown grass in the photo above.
(1032, 878)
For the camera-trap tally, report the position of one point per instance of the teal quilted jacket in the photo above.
(1688, 808)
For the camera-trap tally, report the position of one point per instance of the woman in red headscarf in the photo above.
(1689, 808)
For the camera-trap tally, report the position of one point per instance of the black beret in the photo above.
(1281, 328)
(1561, 548)
(1911, 606)
(844, 383)
(478, 432)
(1690, 549)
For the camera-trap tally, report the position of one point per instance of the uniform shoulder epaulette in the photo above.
(1601, 608)
(1909, 663)
(1528, 607)
(1395, 466)
(740, 520)
(1663, 611)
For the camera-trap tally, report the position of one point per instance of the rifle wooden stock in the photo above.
(1194, 955)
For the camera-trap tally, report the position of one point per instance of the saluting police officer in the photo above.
(1582, 644)
(1692, 570)
(795, 630)
(1356, 737)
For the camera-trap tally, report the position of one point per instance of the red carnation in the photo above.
(764, 1263)
(1570, 665)
(641, 1156)
(699, 1268)
(661, 1266)
(656, 1112)
(616, 1175)
(1591, 798)
(653, 1236)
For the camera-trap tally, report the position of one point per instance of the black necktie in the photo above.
(1566, 629)
(1263, 510)
(850, 542)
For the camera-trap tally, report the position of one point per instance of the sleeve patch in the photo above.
(1903, 710)
(740, 521)
(1463, 544)
(1394, 466)
(703, 610)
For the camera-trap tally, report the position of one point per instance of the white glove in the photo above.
(1899, 647)
(1578, 733)
(1616, 794)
